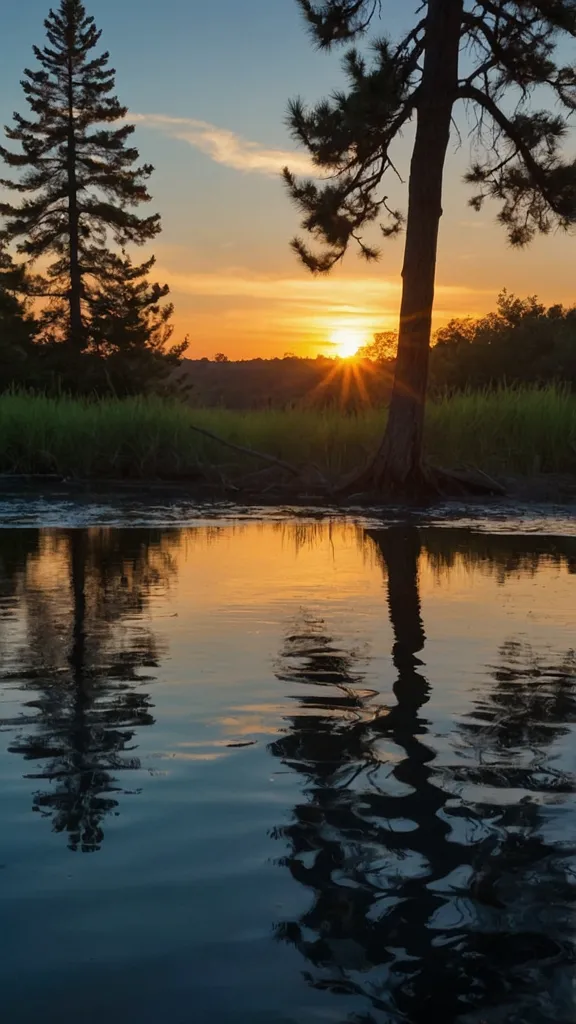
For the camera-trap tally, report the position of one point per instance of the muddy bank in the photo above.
(269, 490)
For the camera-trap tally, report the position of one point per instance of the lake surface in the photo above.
(287, 772)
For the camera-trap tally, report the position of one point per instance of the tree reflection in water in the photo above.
(439, 893)
(83, 667)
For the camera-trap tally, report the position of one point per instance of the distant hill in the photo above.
(284, 383)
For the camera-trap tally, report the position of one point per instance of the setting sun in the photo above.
(347, 341)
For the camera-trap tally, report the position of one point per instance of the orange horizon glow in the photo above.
(261, 304)
(265, 315)
(348, 340)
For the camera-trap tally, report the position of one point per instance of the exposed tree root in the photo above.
(424, 483)
(374, 481)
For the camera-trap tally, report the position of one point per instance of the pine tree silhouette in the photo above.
(75, 168)
(131, 327)
(498, 58)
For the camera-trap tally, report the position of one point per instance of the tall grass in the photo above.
(512, 430)
(503, 432)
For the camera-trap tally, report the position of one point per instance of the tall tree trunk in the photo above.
(75, 289)
(398, 462)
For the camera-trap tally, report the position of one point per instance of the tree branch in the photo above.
(470, 92)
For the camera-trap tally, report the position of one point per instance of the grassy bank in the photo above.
(520, 432)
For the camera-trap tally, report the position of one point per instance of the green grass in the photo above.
(504, 432)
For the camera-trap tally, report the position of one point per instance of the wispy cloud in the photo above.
(227, 147)
(238, 283)
(247, 313)
(355, 292)
(276, 312)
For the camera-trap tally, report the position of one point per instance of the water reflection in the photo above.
(80, 667)
(502, 555)
(436, 892)
(416, 774)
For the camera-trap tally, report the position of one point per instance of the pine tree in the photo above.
(77, 172)
(129, 326)
(499, 58)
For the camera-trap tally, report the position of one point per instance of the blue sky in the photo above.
(208, 85)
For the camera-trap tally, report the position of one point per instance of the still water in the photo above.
(285, 773)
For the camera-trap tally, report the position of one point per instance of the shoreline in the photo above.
(552, 488)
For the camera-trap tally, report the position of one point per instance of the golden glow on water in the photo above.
(217, 592)
(212, 593)
(266, 564)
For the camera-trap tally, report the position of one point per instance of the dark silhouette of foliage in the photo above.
(522, 342)
(75, 168)
(497, 57)
(130, 327)
(381, 349)
(17, 324)
(348, 385)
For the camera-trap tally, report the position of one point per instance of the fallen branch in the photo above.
(469, 481)
(249, 451)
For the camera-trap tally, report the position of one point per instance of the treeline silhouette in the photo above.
(285, 383)
(521, 343)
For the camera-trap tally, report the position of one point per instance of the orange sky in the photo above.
(244, 293)
(210, 117)
(249, 312)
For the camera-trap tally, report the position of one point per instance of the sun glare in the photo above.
(347, 341)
